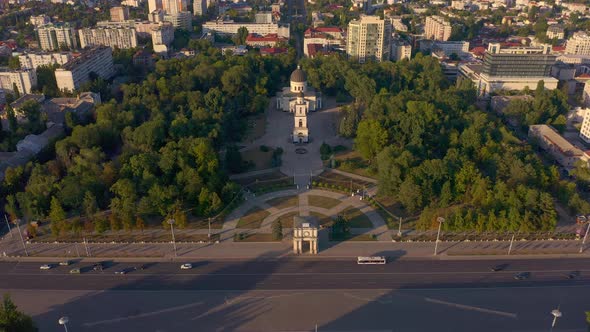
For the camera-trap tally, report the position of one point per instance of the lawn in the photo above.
(256, 237)
(266, 182)
(256, 127)
(124, 236)
(344, 181)
(260, 159)
(323, 220)
(253, 218)
(283, 202)
(287, 219)
(323, 202)
(356, 218)
(352, 162)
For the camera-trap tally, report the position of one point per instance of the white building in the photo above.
(398, 25)
(34, 60)
(73, 74)
(200, 7)
(579, 44)
(40, 20)
(119, 14)
(437, 28)
(300, 130)
(400, 50)
(120, 37)
(130, 3)
(555, 31)
(181, 20)
(24, 80)
(325, 36)
(231, 28)
(565, 153)
(163, 34)
(263, 18)
(585, 129)
(287, 98)
(52, 37)
(369, 38)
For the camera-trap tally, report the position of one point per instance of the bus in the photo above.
(371, 260)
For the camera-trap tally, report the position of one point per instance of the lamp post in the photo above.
(8, 224)
(171, 222)
(556, 314)
(64, 321)
(21, 236)
(209, 234)
(399, 230)
(585, 236)
(440, 222)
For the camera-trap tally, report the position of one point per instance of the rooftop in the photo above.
(72, 64)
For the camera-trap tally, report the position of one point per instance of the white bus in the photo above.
(371, 260)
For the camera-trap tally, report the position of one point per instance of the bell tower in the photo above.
(300, 130)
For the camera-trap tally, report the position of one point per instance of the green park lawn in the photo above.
(323, 202)
(253, 218)
(283, 202)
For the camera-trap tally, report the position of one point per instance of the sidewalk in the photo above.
(278, 250)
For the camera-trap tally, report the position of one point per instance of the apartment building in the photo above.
(98, 60)
(35, 60)
(323, 38)
(180, 20)
(578, 44)
(369, 38)
(231, 28)
(585, 129)
(23, 80)
(555, 31)
(119, 14)
(565, 153)
(120, 37)
(400, 50)
(437, 28)
(56, 36)
(40, 20)
(200, 7)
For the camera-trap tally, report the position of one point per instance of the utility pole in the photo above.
(399, 231)
(21, 237)
(511, 242)
(8, 224)
(86, 246)
(584, 240)
(209, 234)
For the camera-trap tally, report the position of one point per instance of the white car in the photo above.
(186, 266)
(46, 267)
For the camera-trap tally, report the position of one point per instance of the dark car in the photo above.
(498, 267)
(98, 267)
(522, 275)
(124, 271)
(573, 275)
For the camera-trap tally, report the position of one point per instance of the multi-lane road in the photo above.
(288, 295)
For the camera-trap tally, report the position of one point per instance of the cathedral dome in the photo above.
(298, 75)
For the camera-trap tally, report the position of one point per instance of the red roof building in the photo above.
(269, 40)
(273, 50)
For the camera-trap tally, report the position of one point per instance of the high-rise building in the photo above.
(578, 44)
(120, 37)
(40, 20)
(119, 14)
(98, 60)
(23, 80)
(180, 20)
(174, 6)
(585, 129)
(200, 7)
(163, 34)
(57, 36)
(511, 68)
(437, 28)
(35, 60)
(369, 38)
(154, 5)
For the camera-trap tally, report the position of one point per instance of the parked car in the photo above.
(75, 271)
(46, 267)
(186, 266)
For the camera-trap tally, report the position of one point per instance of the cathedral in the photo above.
(299, 99)
(287, 98)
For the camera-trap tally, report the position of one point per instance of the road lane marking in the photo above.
(147, 314)
(472, 308)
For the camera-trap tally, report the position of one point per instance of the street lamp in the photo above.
(64, 321)
(171, 222)
(440, 222)
(585, 236)
(556, 314)
(209, 234)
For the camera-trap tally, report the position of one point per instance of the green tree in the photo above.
(277, 230)
(371, 138)
(89, 205)
(13, 62)
(11, 207)
(240, 37)
(56, 212)
(233, 159)
(12, 320)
